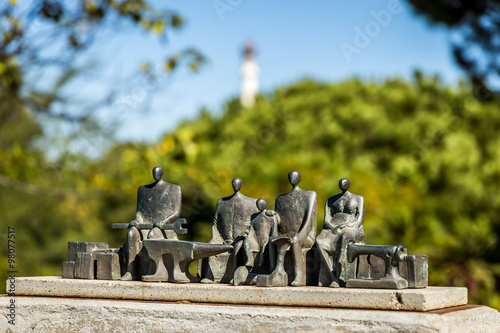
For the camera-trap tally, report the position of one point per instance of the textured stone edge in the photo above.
(431, 298)
(52, 314)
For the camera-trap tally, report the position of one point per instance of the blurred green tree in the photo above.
(476, 27)
(424, 155)
(43, 45)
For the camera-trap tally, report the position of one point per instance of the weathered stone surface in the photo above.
(427, 299)
(52, 314)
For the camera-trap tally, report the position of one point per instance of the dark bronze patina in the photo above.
(297, 212)
(250, 244)
(344, 216)
(232, 222)
(259, 252)
(158, 204)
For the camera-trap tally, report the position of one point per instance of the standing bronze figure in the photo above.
(259, 252)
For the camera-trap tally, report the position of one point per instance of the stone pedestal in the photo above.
(427, 299)
(52, 314)
(53, 304)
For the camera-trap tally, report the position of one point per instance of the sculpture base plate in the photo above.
(272, 280)
(382, 283)
(427, 299)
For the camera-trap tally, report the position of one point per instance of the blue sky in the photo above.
(294, 39)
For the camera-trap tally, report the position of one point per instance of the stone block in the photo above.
(414, 269)
(75, 247)
(417, 271)
(85, 265)
(108, 266)
(272, 280)
(68, 269)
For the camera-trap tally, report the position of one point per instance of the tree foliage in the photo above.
(477, 24)
(424, 155)
(43, 48)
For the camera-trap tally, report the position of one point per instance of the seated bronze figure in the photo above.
(344, 215)
(158, 203)
(250, 244)
(231, 226)
(297, 211)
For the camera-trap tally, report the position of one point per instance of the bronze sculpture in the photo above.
(158, 203)
(297, 212)
(231, 225)
(263, 226)
(172, 258)
(259, 252)
(344, 216)
(250, 244)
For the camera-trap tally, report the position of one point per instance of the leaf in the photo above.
(73, 41)
(194, 66)
(159, 27)
(145, 67)
(3, 68)
(177, 21)
(171, 64)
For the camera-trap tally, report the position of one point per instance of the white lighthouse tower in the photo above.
(249, 78)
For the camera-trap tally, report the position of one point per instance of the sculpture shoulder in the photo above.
(332, 199)
(161, 185)
(357, 197)
(175, 188)
(170, 190)
(311, 194)
(220, 202)
(282, 196)
(249, 205)
(169, 185)
(270, 213)
(246, 199)
(224, 199)
(238, 198)
(144, 190)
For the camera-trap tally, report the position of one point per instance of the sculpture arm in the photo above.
(249, 236)
(138, 219)
(274, 228)
(176, 208)
(301, 236)
(361, 212)
(327, 224)
(216, 236)
(263, 247)
(171, 219)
